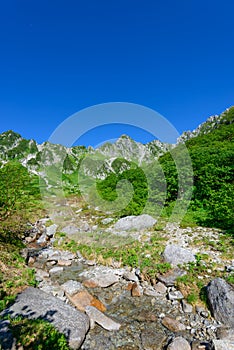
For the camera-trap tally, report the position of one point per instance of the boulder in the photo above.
(179, 343)
(175, 255)
(34, 303)
(135, 222)
(221, 300)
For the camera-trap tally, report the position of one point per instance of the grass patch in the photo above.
(37, 334)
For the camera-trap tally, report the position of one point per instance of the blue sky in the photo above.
(58, 57)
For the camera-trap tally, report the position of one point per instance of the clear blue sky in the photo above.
(58, 57)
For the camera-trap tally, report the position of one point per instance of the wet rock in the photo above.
(34, 303)
(221, 300)
(173, 325)
(175, 255)
(101, 319)
(72, 287)
(153, 340)
(179, 343)
(169, 278)
(135, 222)
(83, 299)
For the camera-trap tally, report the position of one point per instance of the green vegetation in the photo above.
(19, 198)
(107, 248)
(37, 334)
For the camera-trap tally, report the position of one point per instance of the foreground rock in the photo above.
(175, 255)
(135, 222)
(101, 319)
(179, 343)
(34, 303)
(221, 299)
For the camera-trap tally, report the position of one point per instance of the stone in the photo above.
(41, 275)
(83, 298)
(130, 276)
(176, 255)
(173, 325)
(107, 221)
(186, 307)
(31, 261)
(72, 287)
(221, 300)
(223, 344)
(33, 303)
(100, 276)
(135, 222)
(169, 278)
(101, 319)
(136, 290)
(160, 288)
(66, 255)
(179, 343)
(153, 340)
(56, 269)
(64, 262)
(175, 295)
(51, 230)
(7, 341)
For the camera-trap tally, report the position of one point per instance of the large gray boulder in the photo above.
(221, 300)
(34, 303)
(175, 255)
(135, 222)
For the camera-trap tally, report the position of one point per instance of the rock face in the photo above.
(135, 222)
(221, 300)
(34, 303)
(176, 255)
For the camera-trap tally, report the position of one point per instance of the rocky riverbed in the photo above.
(115, 307)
